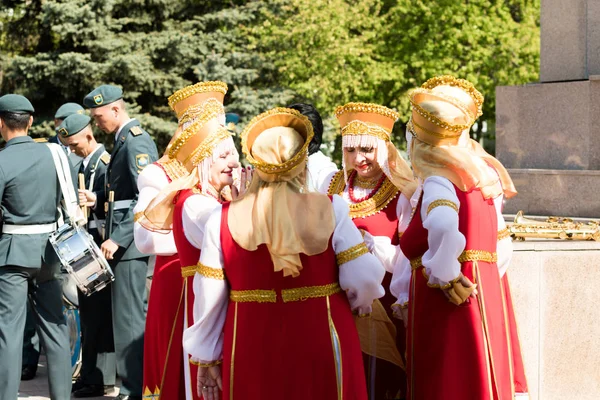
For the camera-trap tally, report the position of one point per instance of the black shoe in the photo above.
(28, 372)
(90, 391)
(128, 397)
(78, 384)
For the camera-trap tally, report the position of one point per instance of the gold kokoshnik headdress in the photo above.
(199, 140)
(443, 110)
(370, 125)
(277, 210)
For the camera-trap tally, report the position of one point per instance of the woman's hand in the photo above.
(209, 382)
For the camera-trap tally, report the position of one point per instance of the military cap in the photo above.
(67, 109)
(102, 95)
(73, 124)
(15, 103)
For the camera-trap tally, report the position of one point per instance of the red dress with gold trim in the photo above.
(159, 322)
(459, 352)
(287, 338)
(384, 379)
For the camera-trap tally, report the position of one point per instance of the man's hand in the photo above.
(209, 382)
(109, 248)
(87, 198)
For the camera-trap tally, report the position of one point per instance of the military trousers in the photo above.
(129, 320)
(31, 340)
(98, 362)
(46, 297)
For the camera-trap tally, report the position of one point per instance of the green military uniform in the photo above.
(98, 363)
(29, 196)
(31, 347)
(133, 151)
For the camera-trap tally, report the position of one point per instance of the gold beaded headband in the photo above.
(357, 128)
(200, 87)
(463, 84)
(212, 110)
(269, 119)
(207, 146)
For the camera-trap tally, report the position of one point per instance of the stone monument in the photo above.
(548, 133)
(548, 137)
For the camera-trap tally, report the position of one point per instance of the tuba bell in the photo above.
(553, 228)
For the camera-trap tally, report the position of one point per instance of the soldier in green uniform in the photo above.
(29, 196)
(98, 364)
(133, 151)
(31, 343)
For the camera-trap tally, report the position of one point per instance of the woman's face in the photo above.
(221, 171)
(363, 160)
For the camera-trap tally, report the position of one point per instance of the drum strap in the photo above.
(65, 181)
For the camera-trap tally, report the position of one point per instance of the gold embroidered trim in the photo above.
(173, 168)
(297, 159)
(207, 146)
(137, 216)
(253, 296)
(442, 203)
(358, 128)
(467, 255)
(193, 362)
(366, 108)
(351, 254)
(400, 306)
(210, 364)
(386, 193)
(412, 124)
(310, 292)
(189, 270)
(200, 87)
(503, 234)
(191, 131)
(400, 235)
(287, 295)
(461, 83)
(478, 255)
(435, 120)
(195, 110)
(213, 273)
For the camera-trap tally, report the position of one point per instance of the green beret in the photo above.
(102, 95)
(67, 109)
(15, 103)
(73, 124)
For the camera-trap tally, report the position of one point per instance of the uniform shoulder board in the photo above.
(105, 158)
(136, 130)
(41, 140)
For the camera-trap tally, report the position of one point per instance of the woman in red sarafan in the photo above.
(199, 108)
(376, 183)
(280, 270)
(449, 286)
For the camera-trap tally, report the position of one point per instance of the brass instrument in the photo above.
(554, 228)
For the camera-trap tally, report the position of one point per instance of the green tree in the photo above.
(149, 47)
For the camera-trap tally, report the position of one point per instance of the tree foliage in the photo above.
(327, 52)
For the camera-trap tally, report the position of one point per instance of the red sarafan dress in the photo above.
(158, 356)
(385, 380)
(459, 352)
(284, 337)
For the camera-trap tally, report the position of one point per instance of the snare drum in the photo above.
(69, 291)
(82, 258)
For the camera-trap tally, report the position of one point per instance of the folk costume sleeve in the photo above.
(360, 272)
(439, 213)
(196, 211)
(505, 246)
(150, 182)
(141, 152)
(204, 340)
(381, 246)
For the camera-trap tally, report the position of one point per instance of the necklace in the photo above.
(365, 183)
(368, 196)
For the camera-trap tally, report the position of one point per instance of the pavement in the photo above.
(37, 388)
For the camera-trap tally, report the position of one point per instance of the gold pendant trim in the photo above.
(503, 234)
